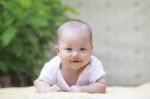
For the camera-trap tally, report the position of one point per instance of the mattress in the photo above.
(116, 92)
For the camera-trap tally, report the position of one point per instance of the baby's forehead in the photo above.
(74, 32)
(74, 28)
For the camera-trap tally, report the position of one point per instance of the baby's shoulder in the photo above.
(95, 60)
(53, 63)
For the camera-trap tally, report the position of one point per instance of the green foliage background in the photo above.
(26, 28)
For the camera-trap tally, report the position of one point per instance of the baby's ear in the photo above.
(57, 49)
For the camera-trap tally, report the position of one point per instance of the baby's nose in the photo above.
(75, 54)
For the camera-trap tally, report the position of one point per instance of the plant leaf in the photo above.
(8, 35)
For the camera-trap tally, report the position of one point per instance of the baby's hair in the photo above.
(75, 24)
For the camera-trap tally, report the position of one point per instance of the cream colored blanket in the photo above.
(139, 92)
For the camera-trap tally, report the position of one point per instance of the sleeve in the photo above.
(48, 72)
(96, 70)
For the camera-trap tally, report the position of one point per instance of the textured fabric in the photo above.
(115, 92)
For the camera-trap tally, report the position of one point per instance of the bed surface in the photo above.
(139, 92)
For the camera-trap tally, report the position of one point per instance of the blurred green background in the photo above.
(27, 31)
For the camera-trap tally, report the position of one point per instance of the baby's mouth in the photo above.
(76, 61)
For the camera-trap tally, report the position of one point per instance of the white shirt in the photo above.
(52, 74)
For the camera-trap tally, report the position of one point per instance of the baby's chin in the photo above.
(77, 67)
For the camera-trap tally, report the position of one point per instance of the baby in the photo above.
(74, 69)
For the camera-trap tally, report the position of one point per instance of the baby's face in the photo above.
(74, 50)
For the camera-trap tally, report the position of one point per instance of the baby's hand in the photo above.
(75, 89)
(55, 88)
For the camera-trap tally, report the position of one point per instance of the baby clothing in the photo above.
(52, 74)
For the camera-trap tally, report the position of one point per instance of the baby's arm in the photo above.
(98, 87)
(43, 87)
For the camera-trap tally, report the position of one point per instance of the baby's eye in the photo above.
(82, 49)
(68, 49)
